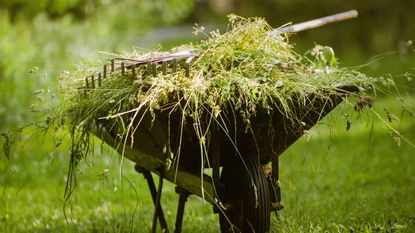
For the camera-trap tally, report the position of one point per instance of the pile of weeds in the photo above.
(249, 68)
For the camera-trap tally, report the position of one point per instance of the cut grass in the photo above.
(250, 70)
(339, 181)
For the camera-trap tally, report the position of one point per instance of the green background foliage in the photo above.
(333, 180)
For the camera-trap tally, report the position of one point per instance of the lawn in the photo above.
(333, 180)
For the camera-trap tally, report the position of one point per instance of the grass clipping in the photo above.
(249, 68)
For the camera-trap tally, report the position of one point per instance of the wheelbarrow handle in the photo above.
(318, 22)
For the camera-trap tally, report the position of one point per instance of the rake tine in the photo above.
(133, 70)
(104, 72)
(112, 65)
(154, 69)
(92, 82)
(149, 68)
(164, 64)
(187, 66)
(123, 68)
(86, 83)
(99, 79)
(175, 65)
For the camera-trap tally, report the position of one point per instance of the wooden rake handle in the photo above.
(318, 22)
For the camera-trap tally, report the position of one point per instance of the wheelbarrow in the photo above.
(235, 174)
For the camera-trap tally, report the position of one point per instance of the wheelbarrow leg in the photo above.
(156, 197)
(274, 184)
(158, 206)
(183, 194)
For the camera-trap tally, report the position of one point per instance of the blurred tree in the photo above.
(157, 10)
(53, 8)
(40, 39)
(382, 24)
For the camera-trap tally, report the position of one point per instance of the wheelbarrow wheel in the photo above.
(245, 196)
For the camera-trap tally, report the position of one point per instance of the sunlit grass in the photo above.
(339, 181)
(343, 180)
